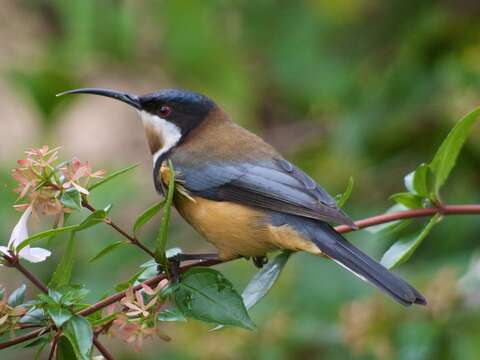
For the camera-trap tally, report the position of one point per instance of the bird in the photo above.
(240, 193)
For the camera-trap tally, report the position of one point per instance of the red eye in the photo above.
(165, 111)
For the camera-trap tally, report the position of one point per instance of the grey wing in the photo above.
(273, 184)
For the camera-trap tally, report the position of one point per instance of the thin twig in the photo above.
(53, 348)
(102, 349)
(133, 240)
(371, 221)
(14, 262)
(22, 338)
(413, 213)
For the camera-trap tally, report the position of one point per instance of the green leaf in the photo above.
(112, 176)
(72, 294)
(105, 320)
(36, 342)
(42, 344)
(65, 349)
(72, 199)
(146, 216)
(107, 249)
(392, 226)
(446, 156)
(79, 332)
(263, 281)
(163, 232)
(2, 293)
(408, 200)
(205, 294)
(171, 314)
(342, 198)
(421, 180)
(33, 316)
(17, 296)
(97, 217)
(63, 272)
(59, 315)
(44, 235)
(402, 249)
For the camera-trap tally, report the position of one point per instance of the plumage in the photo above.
(240, 193)
(258, 177)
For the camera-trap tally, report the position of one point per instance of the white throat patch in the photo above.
(170, 133)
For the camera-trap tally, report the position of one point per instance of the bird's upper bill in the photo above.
(130, 99)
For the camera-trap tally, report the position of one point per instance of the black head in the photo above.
(185, 109)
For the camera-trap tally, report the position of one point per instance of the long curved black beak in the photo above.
(132, 100)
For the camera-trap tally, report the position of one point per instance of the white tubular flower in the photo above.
(20, 234)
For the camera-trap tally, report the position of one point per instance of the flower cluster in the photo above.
(41, 181)
(138, 320)
(9, 315)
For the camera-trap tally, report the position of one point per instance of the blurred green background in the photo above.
(366, 88)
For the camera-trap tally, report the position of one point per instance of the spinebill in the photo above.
(240, 193)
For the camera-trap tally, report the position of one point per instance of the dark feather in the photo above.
(272, 184)
(340, 250)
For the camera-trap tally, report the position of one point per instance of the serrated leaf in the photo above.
(79, 332)
(44, 235)
(205, 294)
(112, 176)
(446, 156)
(263, 281)
(171, 314)
(72, 199)
(146, 216)
(17, 296)
(408, 200)
(402, 249)
(59, 315)
(107, 249)
(342, 198)
(97, 217)
(161, 242)
(63, 272)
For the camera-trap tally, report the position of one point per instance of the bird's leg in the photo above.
(260, 261)
(187, 257)
(174, 263)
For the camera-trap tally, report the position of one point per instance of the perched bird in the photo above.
(240, 193)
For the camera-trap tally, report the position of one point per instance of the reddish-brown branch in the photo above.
(102, 349)
(133, 240)
(22, 338)
(409, 214)
(13, 261)
(371, 221)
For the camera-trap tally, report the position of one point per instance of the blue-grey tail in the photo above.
(353, 259)
(341, 251)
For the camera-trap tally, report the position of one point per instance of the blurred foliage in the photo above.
(354, 87)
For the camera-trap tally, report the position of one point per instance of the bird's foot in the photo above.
(260, 261)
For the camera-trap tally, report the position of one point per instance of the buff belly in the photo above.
(238, 230)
